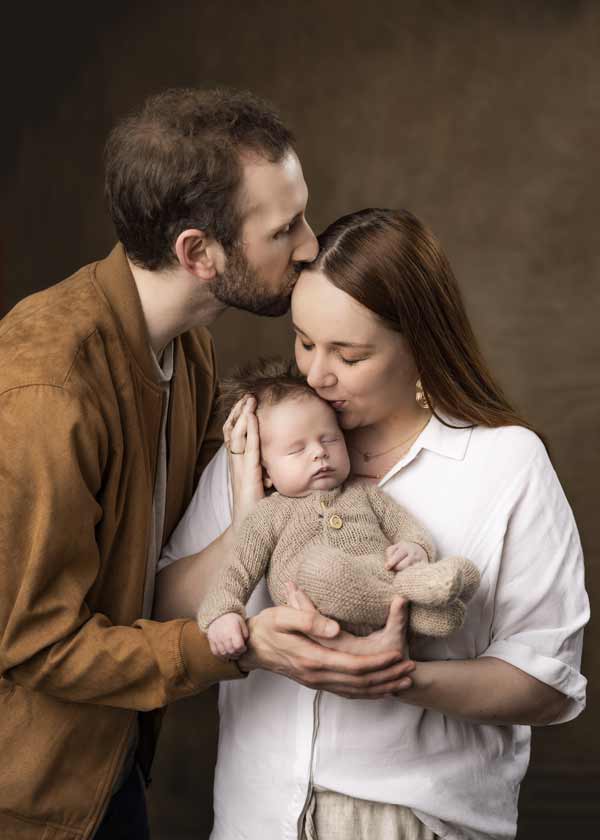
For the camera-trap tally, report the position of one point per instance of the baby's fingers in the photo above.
(405, 563)
(395, 555)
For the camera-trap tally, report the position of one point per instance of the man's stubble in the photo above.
(242, 287)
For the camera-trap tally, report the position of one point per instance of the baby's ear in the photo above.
(266, 478)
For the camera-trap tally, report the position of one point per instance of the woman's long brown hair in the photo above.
(392, 264)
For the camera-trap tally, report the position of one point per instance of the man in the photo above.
(107, 383)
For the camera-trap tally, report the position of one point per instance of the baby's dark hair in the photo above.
(269, 380)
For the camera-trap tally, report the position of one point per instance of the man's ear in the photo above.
(199, 254)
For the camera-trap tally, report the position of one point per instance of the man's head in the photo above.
(302, 446)
(209, 180)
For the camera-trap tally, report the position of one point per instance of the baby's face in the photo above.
(302, 446)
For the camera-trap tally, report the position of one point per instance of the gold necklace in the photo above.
(369, 456)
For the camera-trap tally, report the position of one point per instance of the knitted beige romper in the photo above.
(332, 544)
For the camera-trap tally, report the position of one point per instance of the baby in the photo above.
(330, 538)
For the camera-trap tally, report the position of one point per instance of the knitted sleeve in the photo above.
(397, 523)
(236, 580)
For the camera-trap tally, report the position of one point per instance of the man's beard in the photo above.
(241, 286)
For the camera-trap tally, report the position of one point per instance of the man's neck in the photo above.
(173, 301)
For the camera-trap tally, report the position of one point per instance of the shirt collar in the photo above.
(449, 438)
(439, 437)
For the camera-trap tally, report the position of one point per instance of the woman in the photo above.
(382, 334)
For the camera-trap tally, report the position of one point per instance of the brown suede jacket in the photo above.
(80, 415)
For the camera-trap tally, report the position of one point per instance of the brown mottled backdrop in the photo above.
(482, 117)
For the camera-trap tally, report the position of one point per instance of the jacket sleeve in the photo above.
(237, 579)
(53, 452)
(397, 523)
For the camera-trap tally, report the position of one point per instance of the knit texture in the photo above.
(332, 544)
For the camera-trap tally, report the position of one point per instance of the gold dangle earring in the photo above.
(420, 396)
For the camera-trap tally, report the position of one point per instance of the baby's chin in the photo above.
(325, 482)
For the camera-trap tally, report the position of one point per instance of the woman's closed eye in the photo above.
(352, 361)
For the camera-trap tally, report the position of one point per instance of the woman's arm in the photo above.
(485, 690)
(182, 586)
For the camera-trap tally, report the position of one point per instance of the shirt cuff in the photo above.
(553, 672)
(202, 668)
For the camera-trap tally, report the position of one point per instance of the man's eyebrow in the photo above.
(355, 344)
(290, 222)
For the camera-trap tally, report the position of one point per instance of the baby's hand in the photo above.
(403, 554)
(227, 636)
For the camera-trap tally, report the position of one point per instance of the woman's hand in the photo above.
(240, 433)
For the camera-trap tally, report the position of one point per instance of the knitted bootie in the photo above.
(438, 622)
(438, 584)
(358, 590)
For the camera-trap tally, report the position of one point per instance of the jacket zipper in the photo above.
(316, 704)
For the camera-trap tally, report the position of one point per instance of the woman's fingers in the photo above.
(252, 442)
(245, 424)
(232, 419)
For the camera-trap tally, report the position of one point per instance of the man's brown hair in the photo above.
(269, 380)
(176, 165)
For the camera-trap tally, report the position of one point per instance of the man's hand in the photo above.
(303, 645)
(227, 636)
(403, 554)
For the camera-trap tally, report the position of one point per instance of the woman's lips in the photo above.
(337, 405)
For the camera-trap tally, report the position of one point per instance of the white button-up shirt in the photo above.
(490, 495)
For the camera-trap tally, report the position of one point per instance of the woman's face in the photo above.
(349, 357)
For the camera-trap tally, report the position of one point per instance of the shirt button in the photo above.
(335, 521)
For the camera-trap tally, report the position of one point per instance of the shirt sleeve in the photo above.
(541, 605)
(207, 516)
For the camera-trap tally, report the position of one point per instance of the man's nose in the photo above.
(308, 248)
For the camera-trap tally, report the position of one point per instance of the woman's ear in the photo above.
(199, 254)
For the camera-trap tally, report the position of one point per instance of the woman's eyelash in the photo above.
(309, 347)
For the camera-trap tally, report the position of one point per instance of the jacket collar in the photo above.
(115, 281)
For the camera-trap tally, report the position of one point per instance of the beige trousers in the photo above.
(333, 816)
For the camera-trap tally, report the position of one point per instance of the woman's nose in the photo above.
(319, 377)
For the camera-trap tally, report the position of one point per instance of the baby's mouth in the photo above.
(322, 471)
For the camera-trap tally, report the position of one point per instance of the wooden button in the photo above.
(335, 521)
